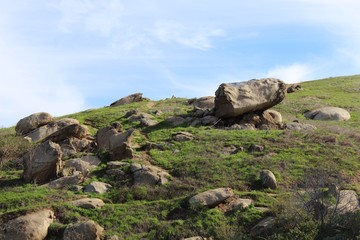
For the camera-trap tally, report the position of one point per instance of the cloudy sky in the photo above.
(64, 56)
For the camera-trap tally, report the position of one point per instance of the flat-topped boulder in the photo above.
(328, 113)
(236, 99)
(32, 122)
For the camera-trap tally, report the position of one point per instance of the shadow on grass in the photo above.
(4, 183)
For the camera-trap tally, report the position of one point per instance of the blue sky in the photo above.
(65, 56)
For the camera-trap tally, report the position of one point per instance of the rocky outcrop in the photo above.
(88, 230)
(32, 122)
(33, 226)
(72, 131)
(136, 97)
(43, 163)
(329, 113)
(97, 187)
(236, 99)
(88, 203)
(109, 138)
(40, 133)
(149, 175)
(211, 198)
(268, 179)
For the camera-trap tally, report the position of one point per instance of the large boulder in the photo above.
(136, 97)
(109, 138)
(32, 122)
(88, 230)
(43, 163)
(211, 198)
(329, 113)
(97, 187)
(39, 134)
(33, 226)
(236, 99)
(72, 131)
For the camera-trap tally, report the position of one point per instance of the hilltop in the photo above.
(166, 160)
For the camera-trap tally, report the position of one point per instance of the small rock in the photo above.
(329, 113)
(209, 120)
(97, 187)
(123, 151)
(268, 179)
(263, 227)
(244, 126)
(88, 203)
(176, 121)
(211, 198)
(136, 97)
(63, 182)
(149, 175)
(116, 164)
(183, 136)
(295, 126)
(85, 230)
(256, 148)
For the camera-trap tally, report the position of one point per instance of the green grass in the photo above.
(161, 212)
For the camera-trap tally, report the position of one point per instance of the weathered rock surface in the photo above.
(39, 134)
(67, 181)
(236, 99)
(123, 151)
(234, 203)
(211, 198)
(290, 88)
(88, 230)
(203, 102)
(136, 97)
(268, 179)
(348, 201)
(77, 164)
(88, 203)
(32, 122)
(149, 175)
(97, 187)
(276, 116)
(71, 131)
(43, 163)
(263, 227)
(109, 138)
(295, 126)
(329, 113)
(176, 121)
(33, 226)
(183, 136)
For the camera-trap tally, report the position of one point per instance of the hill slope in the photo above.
(215, 158)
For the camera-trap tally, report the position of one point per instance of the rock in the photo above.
(328, 113)
(117, 164)
(256, 148)
(97, 187)
(175, 121)
(290, 88)
(196, 122)
(149, 175)
(67, 181)
(295, 126)
(268, 179)
(203, 102)
(197, 238)
(88, 203)
(32, 122)
(136, 97)
(276, 116)
(116, 173)
(229, 150)
(348, 201)
(123, 151)
(42, 132)
(43, 163)
(147, 122)
(245, 126)
(236, 99)
(91, 159)
(149, 146)
(263, 227)
(183, 136)
(209, 120)
(103, 136)
(211, 198)
(71, 131)
(78, 165)
(234, 203)
(33, 226)
(88, 230)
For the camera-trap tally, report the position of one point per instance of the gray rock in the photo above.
(67, 181)
(136, 97)
(236, 99)
(116, 164)
(149, 175)
(97, 187)
(71, 131)
(183, 136)
(33, 226)
(123, 151)
(348, 202)
(211, 198)
(244, 126)
(263, 227)
(88, 230)
(176, 121)
(88, 203)
(32, 122)
(295, 126)
(43, 163)
(329, 113)
(203, 102)
(78, 165)
(43, 132)
(268, 179)
(209, 120)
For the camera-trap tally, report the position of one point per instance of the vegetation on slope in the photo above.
(162, 212)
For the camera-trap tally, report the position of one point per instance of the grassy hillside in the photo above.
(161, 212)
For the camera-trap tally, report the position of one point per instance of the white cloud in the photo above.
(291, 74)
